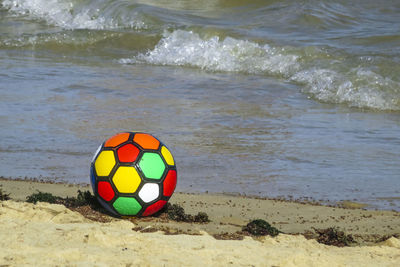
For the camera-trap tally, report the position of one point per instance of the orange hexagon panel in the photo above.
(146, 141)
(117, 140)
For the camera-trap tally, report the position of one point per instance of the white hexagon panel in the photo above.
(149, 192)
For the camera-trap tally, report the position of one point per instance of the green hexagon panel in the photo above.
(152, 165)
(127, 206)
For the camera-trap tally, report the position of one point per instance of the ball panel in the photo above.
(149, 192)
(167, 156)
(117, 140)
(154, 208)
(127, 206)
(107, 206)
(97, 152)
(128, 153)
(146, 141)
(169, 183)
(126, 179)
(133, 174)
(104, 163)
(152, 165)
(105, 190)
(92, 178)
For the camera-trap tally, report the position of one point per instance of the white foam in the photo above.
(181, 48)
(69, 14)
(359, 87)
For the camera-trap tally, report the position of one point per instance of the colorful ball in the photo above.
(133, 174)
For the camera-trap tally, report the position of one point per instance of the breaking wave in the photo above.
(115, 27)
(356, 86)
(79, 14)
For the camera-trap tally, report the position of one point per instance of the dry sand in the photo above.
(49, 234)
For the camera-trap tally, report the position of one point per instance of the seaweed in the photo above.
(85, 203)
(229, 236)
(177, 213)
(201, 217)
(83, 199)
(260, 227)
(42, 197)
(3, 195)
(332, 236)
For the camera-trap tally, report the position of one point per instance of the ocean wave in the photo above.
(355, 86)
(359, 88)
(58, 40)
(182, 48)
(75, 14)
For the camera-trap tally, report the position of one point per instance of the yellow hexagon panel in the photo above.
(167, 156)
(104, 163)
(126, 179)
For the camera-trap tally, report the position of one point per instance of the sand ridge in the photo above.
(228, 214)
(48, 235)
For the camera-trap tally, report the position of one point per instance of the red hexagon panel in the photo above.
(169, 183)
(105, 190)
(154, 208)
(128, 153)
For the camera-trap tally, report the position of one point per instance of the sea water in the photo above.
(275, 98)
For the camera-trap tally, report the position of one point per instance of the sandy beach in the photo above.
(50, 234)
(278, 120)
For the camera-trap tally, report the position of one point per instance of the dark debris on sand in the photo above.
(84, 203)
(42, 197)
(3, 195)
(332, 236)
(255, 228)
(229, 236)
(82, 199)
(87, 204)
(177, 213)
(260, 227)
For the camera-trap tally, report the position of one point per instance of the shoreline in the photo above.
(229, 213)
(51, 234)
(347, 204)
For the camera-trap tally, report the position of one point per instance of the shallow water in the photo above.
(268, 98)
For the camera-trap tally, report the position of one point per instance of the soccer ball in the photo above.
(133, 174)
